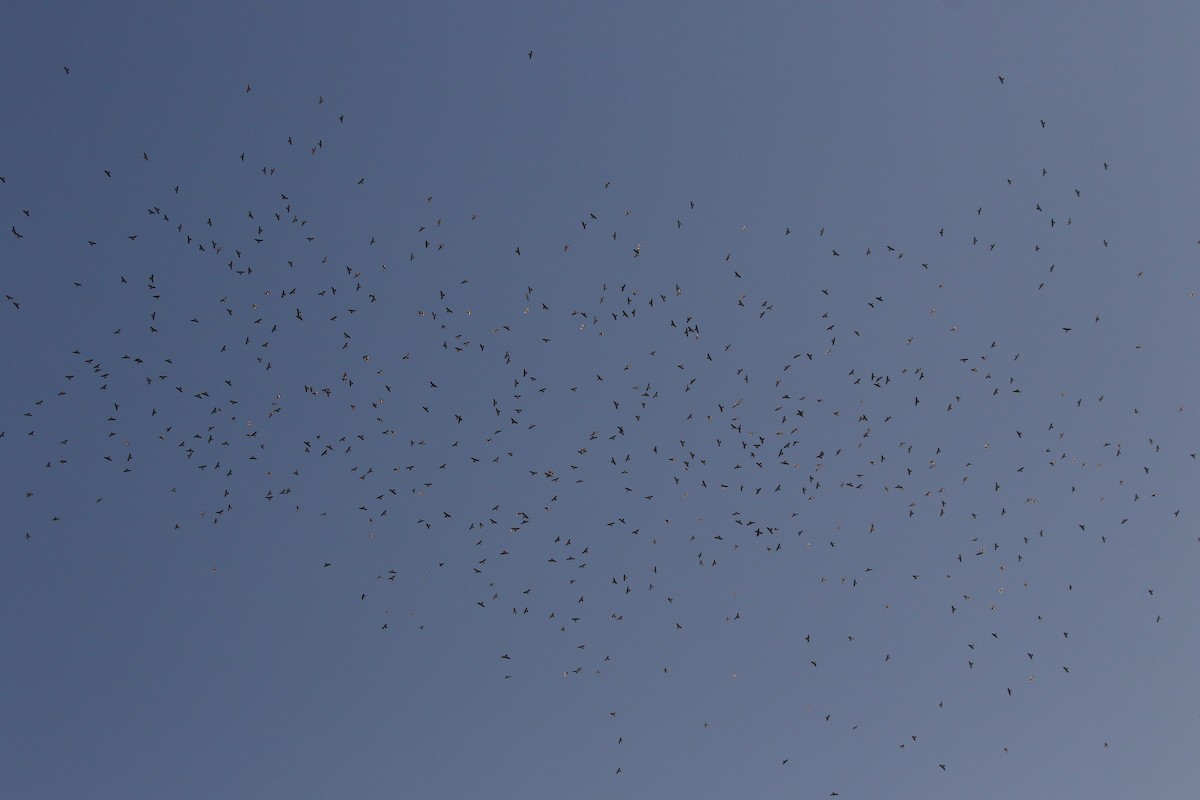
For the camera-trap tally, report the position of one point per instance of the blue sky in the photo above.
(718, 402)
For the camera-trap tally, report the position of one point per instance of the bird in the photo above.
(763, 436)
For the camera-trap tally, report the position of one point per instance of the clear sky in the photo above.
(635, 400)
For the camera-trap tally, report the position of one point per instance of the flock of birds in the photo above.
(691, 420)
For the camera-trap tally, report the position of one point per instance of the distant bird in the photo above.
(350, 397)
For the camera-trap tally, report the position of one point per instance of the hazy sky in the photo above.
(630, 400)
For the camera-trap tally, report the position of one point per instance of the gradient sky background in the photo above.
(767, 468)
